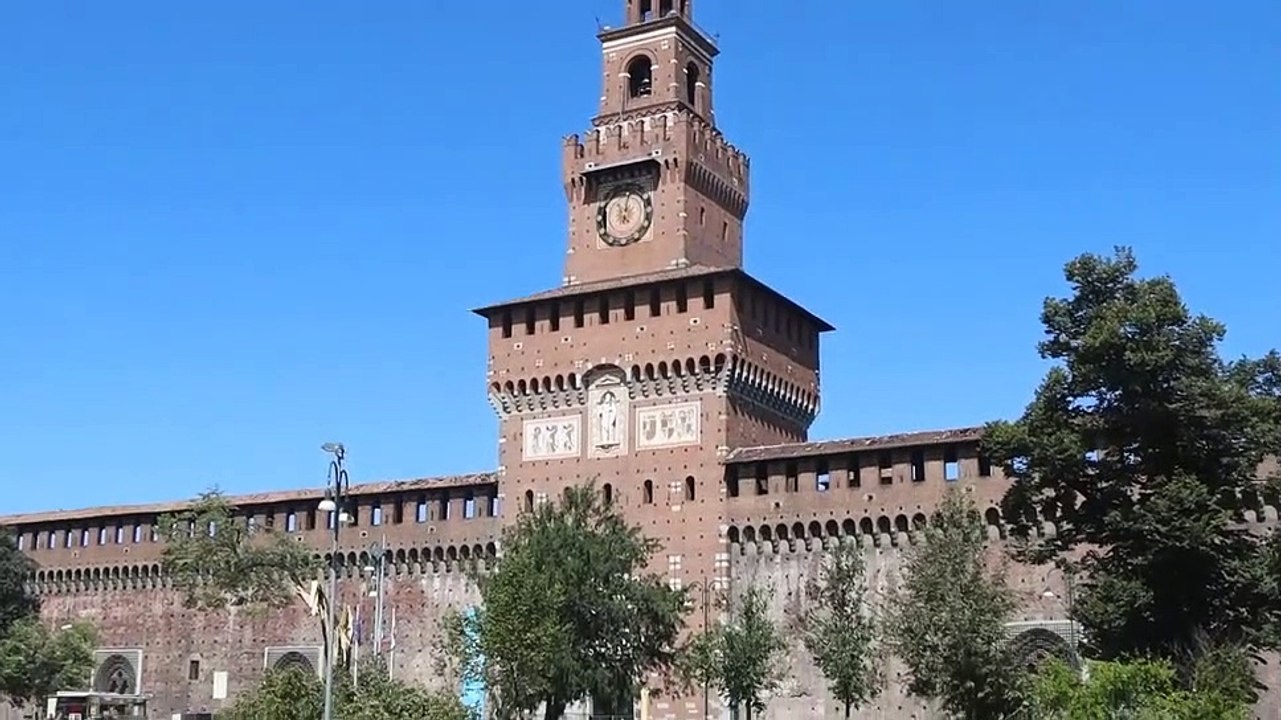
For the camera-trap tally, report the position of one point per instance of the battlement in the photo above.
(676, 132)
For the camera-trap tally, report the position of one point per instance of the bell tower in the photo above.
(653, 185)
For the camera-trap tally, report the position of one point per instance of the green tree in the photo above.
(1135, 690)
(36, 662)
(840, 630)
(569, 611)
(742, 658)
(1141, 444)
(297, 694)
(15, 567)
(947, 619)
(218, 560)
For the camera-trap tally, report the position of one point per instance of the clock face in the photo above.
(624, 215)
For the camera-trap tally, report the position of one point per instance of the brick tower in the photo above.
(658, 354)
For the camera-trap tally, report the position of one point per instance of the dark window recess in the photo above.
(689, 489)
(531, 319)
(629, 306)
(762, 479)
(604, 309)
(398, 513)
(655, 303)
(608, 493)
(709, 295)
(886, 465)
(731, 482)
(853, 476)
(682, 298)
(579, 311)
(951, 468)
(311, 519)
(985, 466)
(507, 324)
(793, 480)
(444, 508)
(649, 492)
(918, 466)
(420, 511)
(822, 476)
(553, 317)
(193, 670)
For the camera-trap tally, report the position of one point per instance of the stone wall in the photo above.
(785, 567)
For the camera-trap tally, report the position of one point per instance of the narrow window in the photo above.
(22, 541)
(553, 317)
(702, 216)
(137, 534)
(918, 466)
(376, 515)
(682, 298)
(193, 670)
(951, 468)
(420, 511)
(885, 464)
(655, 303)
(270, 521)
(852, 478)
(822, 476)
(398, 513)
(604, 309)
(629, 306)
(529, 501)
(579, 311)
(608, 493)
(985, 466)
(793, 480)
(84, 538)
(724, 231)
(689, 489)
(531, 320)
(691, 85)
(120, 535)
(731, 482)
(649, 492)
(311, 519)
(495, 506)
(507, 324)
(444, 507)
(709, 295)
(469, 507)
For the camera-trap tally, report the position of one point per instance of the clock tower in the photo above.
(653, 185)
(658, 354)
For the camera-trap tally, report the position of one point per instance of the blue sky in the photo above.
(231, 231)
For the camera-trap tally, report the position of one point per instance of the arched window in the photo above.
(689, 489)
(649, 492)
(692, 76)
(640, 77)
(529, 501)
(608, 492)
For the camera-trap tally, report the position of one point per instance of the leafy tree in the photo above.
(36, 662)
(1140, 690)
(948, 618)
(840, 631)
(568, 611)
(742, 658)
(15, 602)
(297, 694)
(220, 561)
(1141, 444)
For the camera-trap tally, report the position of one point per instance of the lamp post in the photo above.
(335, 498)
(1069, 581)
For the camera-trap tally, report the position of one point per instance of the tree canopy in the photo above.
(569, 611)
(36, 662)
(15, 567)
(1143, 446)
(947, 618)
(297, 694)
(1139, 689)
(840, 630)
(217, 560)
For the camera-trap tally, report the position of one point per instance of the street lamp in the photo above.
(336, 488)
(377, 570)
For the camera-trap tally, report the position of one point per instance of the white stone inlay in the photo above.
(551, 438)
(669, 425)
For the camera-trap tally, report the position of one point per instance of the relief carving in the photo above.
(608, 398)
(551, 438)
(669, 425)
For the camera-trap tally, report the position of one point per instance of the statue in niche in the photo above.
(607, 419)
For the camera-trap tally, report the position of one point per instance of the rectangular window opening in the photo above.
(311, 519)
(507, 324)
(531, 320)
(762, 479)
(885, 463)
(951, 467)
(420, 511)
(629, 306)
(376, 515)
(709, 295)
(682, 298)
(291, 522)
(469, 508)
(852, 477)
(193, 670)
(793, 479)
(604, 309)
(985, 466)
(655, 303)
(731, 482)
(579, 312)
(553, 317)
(822, 477)
(918, 466)
(398, 513)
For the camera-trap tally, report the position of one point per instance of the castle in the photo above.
(659, 367)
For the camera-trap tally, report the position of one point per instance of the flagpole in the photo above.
(391, 652)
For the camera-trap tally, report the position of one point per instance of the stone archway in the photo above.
(117, 675)
(1035, 646)
(294, 660)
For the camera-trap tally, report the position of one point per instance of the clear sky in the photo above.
(231, 231)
